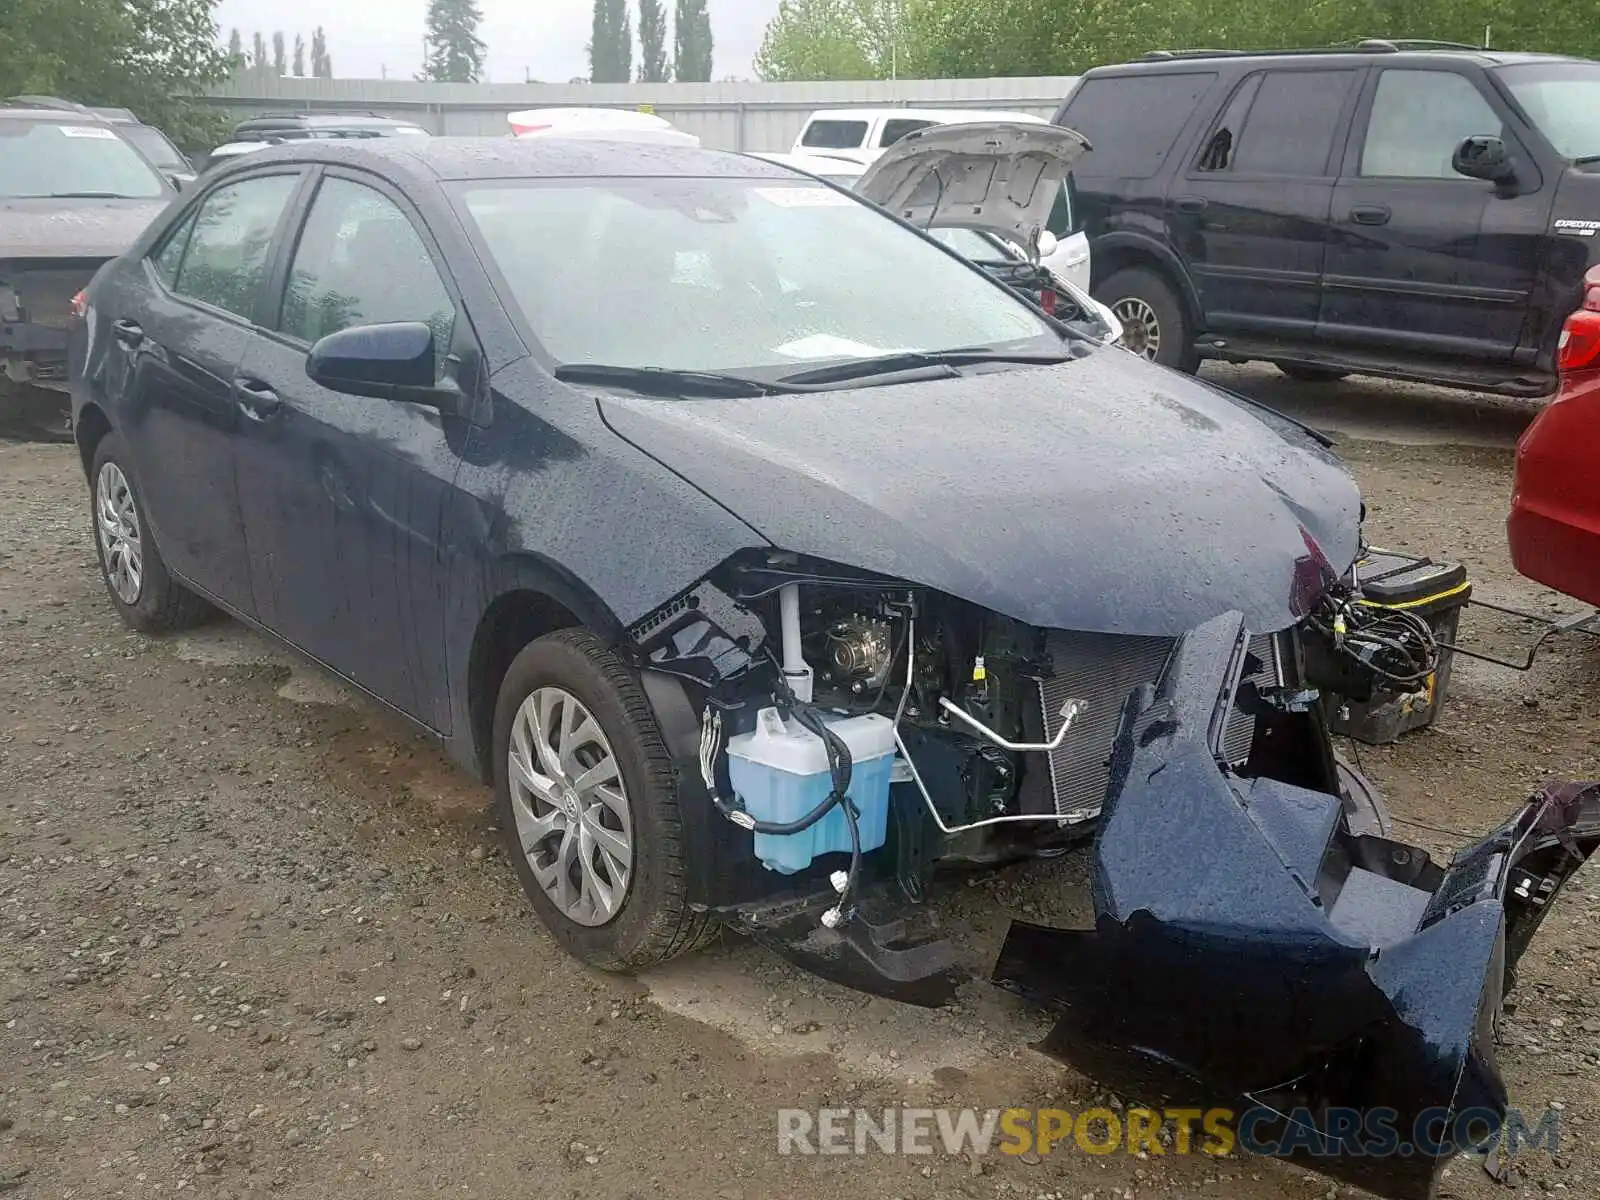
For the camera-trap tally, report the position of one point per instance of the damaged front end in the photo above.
(1261, 942)
(1252, 950)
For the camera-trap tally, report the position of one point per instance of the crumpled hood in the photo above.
(73, 228)
(1105, 495)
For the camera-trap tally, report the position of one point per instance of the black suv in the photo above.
(1417, 210)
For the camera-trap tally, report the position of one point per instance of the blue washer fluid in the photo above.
(780, 773)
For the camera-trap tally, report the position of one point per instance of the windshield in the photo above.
(154, 145)
(1563, 100)
(732, 275)
(45, 158)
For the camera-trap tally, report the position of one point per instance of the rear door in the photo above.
(1249, 211)
(1421, 259)
(183, 321)
(343, 495)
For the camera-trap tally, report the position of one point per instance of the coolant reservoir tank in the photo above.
(779, 771)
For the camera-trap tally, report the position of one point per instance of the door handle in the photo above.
(1370, 214)
(1190, 204)
(256, 399)
(129, 333)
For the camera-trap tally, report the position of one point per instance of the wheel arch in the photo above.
(88, 431)
(1121, 251)
(531, 597)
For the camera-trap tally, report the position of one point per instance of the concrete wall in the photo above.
(727, 116)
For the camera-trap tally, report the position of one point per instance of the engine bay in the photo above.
(859, 730)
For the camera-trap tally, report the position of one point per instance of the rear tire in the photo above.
(142, 590)
(601, 783)
(1305, 373)
(1155, 324)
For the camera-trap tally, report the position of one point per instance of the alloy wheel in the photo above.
(121, 543)
(571, 806)
(1141, 328)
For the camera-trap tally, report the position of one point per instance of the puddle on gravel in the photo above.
(230, 644)
(776, 1009)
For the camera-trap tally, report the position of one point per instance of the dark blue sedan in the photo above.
(766, 555)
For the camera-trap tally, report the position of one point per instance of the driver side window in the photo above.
(360, 261)
(1418, 119)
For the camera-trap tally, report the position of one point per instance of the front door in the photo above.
(1250, 212)
(343, 495)
(1421, 259)
(196, 299)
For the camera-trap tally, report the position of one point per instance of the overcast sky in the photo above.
(545, 38)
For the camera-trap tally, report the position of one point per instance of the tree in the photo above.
(653, 65)
(321, 66)
(280, 60)
(454, 49)
(610, 42)
(691, 35)
(834, 39)
(156, 57)
(236, 47)
(258, 51)
(299, 56)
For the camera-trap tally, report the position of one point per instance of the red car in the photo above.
(1554, 528)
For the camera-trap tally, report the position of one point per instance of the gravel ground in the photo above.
(257, 939)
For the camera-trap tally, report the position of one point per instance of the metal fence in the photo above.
(726, 116)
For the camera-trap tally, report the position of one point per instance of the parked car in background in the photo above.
(295, 126)
(73, 195)
(259, 132)
(1068, 256)
(1554, 530)
(861, 134)
(830, 525)
(147, 139)
(1419, 211)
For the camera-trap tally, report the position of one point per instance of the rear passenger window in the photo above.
(232, 236)
(1418, 119)
(360, 261)
(1291, 120)
(1132, 120)
(169, 258)
(896, 129)
(835, 135)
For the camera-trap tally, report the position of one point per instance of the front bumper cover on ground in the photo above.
(1251, 952)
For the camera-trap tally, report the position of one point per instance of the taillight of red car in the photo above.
(80, 306)
(1580, 336)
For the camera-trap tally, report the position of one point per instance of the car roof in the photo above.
(1390, 53)
(425, 160)
(62, 116)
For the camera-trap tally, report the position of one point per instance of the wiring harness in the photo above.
(1396, 647)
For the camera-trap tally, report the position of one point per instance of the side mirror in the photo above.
(386, 362)
(1485, 157)
(181, 182)
(1048, 243)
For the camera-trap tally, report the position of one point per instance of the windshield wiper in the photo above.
(1586, 160)
(889, 364)
(665, 381)
(91, 196)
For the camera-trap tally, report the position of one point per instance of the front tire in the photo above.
(144, 593)
(1155, 324)
(588, 806)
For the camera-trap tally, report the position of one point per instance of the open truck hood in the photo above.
(998, 177)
